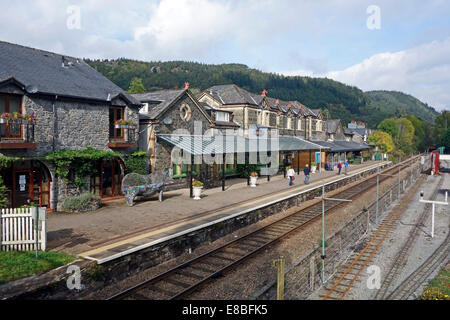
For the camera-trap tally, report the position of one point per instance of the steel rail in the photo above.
(402, 256)
(298, 219)
(372, 246)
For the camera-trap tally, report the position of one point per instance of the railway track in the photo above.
(415, 279)
(351, 273)
(190, 275)
(402, 256)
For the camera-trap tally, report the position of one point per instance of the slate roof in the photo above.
(360, 131)
(232, 94)
(342, 145)
(332, 125)
(158, 101)
(45, 71)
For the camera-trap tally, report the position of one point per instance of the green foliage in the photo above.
(440, 128)
(82, 163)
(136, 162)
(342, 101)
(136, 86)
(446, 140)
(404, 141)
(392, 104)
(3, 198)
(383, 140)
(6, 161)
(243, 170)
(389, 126)
(15, 265)
(84, 202)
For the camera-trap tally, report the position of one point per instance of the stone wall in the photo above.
(96, 277)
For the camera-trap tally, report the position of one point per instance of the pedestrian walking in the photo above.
(346, 166)
(339, 167)
(291, 174)
(306, 172)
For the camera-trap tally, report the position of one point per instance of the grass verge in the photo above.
(19, 264)
(439, 287)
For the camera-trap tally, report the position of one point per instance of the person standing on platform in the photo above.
(346, 166)
(306, 172)
(339, 167)
(291, 174)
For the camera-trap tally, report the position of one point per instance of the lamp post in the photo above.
(323, 256)
(434, 203)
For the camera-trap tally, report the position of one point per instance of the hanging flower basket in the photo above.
(125, 124)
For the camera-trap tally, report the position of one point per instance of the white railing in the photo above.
(18, 229)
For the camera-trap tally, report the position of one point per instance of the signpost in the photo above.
(434, 203)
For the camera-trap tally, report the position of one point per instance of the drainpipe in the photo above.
(54, 183)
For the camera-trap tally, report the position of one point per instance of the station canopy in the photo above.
(342, 145)
(200, 145)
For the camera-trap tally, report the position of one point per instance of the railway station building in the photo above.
(50, 103)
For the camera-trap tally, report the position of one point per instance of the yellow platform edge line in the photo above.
(145, 235)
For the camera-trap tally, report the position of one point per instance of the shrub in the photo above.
(84, 202)
(197, 183)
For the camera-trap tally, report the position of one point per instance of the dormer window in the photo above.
(222, 116)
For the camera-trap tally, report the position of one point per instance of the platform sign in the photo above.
(317, 157)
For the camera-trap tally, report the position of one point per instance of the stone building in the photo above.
(74, 107)
(170, 112)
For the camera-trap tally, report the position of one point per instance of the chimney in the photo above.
(277, 102)
(186, 85)
(264, 92)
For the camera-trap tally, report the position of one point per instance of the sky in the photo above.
(401, 45)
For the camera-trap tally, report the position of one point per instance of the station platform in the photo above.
(118, 230)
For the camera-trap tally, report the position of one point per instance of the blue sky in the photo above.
(410, 52)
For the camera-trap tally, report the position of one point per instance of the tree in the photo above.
(441, 125)
(446, 140)
(136, 86)
(405, 135)
(420, 142)
(389, 126)
(383, 141)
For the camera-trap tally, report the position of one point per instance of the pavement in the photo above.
(117, 228)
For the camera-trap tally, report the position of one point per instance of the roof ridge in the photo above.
(42, 50)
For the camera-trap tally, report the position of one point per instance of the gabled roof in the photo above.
(158, 101)
(332, 125)
(232, 94)
(55, 74)
(359, 131)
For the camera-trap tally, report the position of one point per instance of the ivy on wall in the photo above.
(136, 162)
(81, 163)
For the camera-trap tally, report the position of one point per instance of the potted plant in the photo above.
(197, 189)
(4, 117)
(313, 167)
(124, 124)
(253, 178)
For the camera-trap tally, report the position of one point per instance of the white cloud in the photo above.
(422, 71)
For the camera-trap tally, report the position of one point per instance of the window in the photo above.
(10, 104)
(222, 116)
(115, 113)
(299, 126)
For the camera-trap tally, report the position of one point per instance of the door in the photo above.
(23, 188)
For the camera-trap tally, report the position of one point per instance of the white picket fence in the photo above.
(17, 230)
